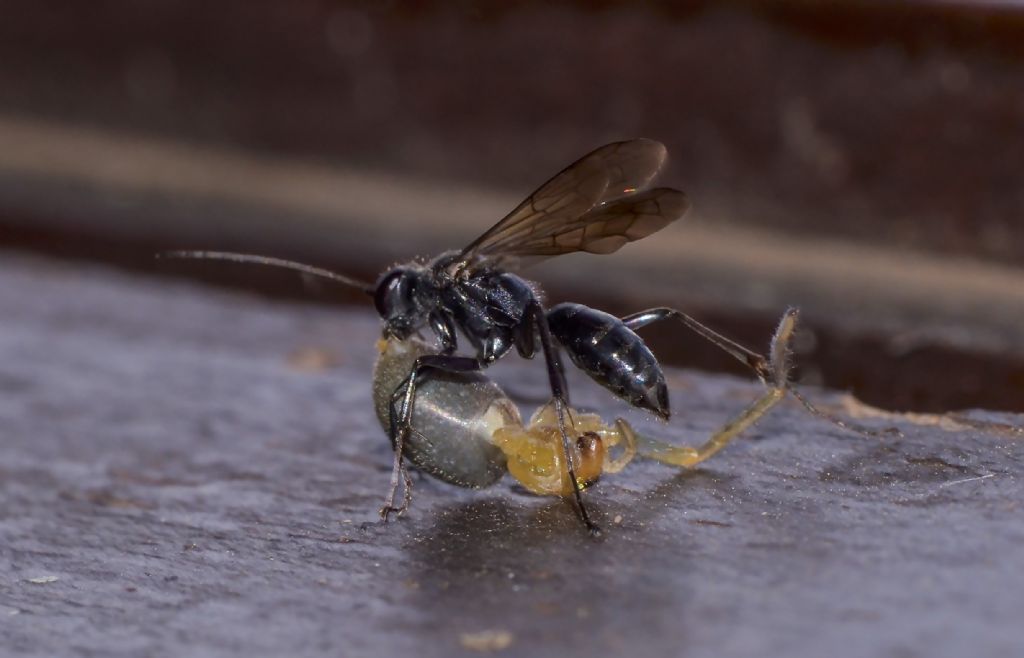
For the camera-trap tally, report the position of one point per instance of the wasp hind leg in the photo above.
(776, 373)
(750, 358)
(767, 370)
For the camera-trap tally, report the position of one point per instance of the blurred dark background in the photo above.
(861, 160)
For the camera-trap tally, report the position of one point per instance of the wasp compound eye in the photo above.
(394, 294)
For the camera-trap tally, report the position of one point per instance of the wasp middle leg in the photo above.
(560, 396)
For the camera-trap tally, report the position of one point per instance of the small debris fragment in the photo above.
(313, 359)
(710, 522)
(105, 498)
(486, 641)
(43, 580)
(974, 479)
(617, 519)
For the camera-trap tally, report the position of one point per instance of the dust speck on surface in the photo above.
(486, 641)
(43, 580)
(313, 359)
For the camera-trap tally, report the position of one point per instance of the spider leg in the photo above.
(688, 457)
(780, 366)
(629, 444)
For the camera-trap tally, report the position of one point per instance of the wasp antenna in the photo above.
(271, 261)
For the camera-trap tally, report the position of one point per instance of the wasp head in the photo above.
(399, 299)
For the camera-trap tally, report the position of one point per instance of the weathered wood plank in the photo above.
(177, 477)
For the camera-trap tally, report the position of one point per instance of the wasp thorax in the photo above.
(398, 300)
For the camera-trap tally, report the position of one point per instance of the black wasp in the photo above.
(597, 204)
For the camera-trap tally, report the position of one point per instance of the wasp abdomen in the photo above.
(612, 354)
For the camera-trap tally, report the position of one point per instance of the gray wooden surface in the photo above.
(185, 471)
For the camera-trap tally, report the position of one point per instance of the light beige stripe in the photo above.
(314, 195)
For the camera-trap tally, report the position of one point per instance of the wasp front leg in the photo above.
(400, 426)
